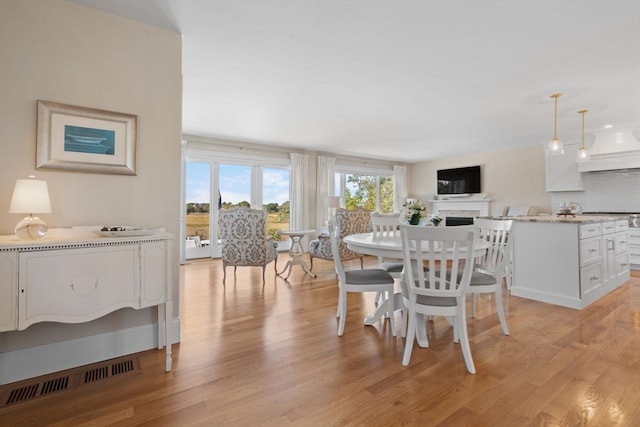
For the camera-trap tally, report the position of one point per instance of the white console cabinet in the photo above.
(74, 276)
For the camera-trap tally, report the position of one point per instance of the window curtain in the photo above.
(297, 191)
(325, 182)
(399, 187)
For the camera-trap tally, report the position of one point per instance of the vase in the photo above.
(415, 219)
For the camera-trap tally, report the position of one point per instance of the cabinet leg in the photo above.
(168, 313)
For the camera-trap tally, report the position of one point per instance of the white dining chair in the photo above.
(387, 226)
(362, 280)
(440, 290)
(491, 268)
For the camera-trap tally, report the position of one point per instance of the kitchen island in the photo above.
(569, 261)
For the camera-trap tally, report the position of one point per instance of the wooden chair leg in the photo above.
(500, 310)
(343, 312)
(224, 272)
(411, 334)
(461, 324)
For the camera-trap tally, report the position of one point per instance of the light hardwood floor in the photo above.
(254, 355)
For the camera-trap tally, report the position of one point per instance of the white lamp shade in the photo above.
(30, 196)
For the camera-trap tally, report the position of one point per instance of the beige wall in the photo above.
(59, 51)
(509, 177)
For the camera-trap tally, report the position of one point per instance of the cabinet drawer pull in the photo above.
(594, 278)
(593, 250)
(84, 289)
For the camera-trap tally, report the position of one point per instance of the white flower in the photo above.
(414, 211)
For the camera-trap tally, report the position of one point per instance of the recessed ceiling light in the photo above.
(608, 126)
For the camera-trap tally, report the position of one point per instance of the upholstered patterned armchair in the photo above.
(347, 221)
(243, 235)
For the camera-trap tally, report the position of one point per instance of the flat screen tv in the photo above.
(459, 181)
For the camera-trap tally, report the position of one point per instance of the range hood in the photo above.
(613, 149)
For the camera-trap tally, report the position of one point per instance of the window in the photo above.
(210, 185)
(197, 210)
(369, 191)
(275, 199)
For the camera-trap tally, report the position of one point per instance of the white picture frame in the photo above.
(80, 139)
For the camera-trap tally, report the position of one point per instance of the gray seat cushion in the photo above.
(482, 279)
(392, 267)
(429, 300)
(397, 267)
(477, 278)
(368, 276)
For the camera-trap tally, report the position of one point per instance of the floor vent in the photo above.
(56, 384)
(122, 367)
(23, 393)
(96, 374)
(41, 386)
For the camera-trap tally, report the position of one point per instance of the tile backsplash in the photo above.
(611, 191)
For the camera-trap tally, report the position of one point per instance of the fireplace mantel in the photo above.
(460, 207)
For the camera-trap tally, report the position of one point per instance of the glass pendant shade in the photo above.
(583, 153)
(555, 147)
(30, 196)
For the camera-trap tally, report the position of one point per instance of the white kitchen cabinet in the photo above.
(70, 277)
(562, 170)
(615, 249)
(591, 261)
(567, 261)
(590, 280)
(634, 248)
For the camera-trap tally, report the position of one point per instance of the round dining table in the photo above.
(391, 247)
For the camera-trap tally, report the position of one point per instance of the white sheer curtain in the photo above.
(399, 187)
(325, 187)
(298, 200)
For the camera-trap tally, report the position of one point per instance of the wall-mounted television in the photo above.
(459, 180)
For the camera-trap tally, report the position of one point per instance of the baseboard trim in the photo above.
(46, 359)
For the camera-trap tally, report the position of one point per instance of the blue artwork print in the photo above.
(89, 140)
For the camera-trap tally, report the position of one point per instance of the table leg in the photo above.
(296, 254)
(288, 266)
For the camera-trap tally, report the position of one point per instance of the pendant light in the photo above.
(583, 154)
(555, 146)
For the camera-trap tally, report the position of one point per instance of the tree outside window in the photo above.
(374, 193)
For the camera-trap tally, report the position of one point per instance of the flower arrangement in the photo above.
(414, 211)
(435, 220)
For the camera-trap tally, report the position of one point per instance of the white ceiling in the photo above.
(402, 80)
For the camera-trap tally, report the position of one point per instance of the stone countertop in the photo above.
(578, 219)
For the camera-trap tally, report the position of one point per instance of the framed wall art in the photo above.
(83, 139)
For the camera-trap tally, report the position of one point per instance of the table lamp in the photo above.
(30, 196)
(333, 203)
